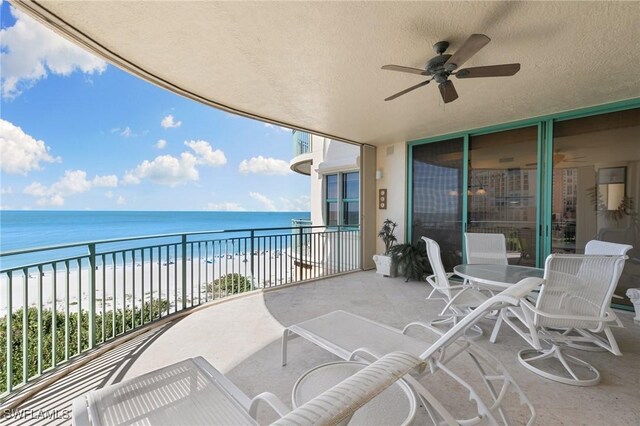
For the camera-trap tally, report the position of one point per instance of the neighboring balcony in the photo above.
(302, 153)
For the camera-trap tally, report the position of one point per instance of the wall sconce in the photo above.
(378, 174)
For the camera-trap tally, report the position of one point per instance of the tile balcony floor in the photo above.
(241, 338)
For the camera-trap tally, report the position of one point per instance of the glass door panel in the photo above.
(436, 194)
(502, 190)
(596, 187)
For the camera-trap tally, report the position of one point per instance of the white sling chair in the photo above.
(451, 355)
(571, 309)
(485, 248)
(460, 298)
(192, 392)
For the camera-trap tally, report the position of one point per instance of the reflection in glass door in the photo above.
(596, 187)
(502, 190)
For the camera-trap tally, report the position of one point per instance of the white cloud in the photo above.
(30, 51)
(165, 170)
(264, 166)
(170, 122)
(71, 183)
(108, 194)
(173, 171)
(225, 206)
(107, 180)
(280, 128)
(6, 191)
(19, 152)
(127, 132)
(206, 154)
(300, 204)
(161, 144)
(266, 202)
(120, 201)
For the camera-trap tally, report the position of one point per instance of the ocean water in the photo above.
(32, 229)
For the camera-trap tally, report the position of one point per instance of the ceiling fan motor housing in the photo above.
(435, 67)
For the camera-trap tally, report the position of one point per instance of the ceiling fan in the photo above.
(442, 66)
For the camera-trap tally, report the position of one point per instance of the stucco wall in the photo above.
(392, 160)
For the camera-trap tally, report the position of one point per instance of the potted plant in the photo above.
(412, 259)
(385, 264)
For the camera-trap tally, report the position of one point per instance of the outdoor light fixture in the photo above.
(378, 174)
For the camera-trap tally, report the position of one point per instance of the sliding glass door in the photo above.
(596, 187)
(437, 185)
(502, 190)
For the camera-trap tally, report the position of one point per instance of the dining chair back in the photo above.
(482, 248)
(605, 247)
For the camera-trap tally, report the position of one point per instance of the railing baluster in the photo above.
(104, 298)
(133, 289)
(184, 271)
(54, 314)
(199, 272)
(124, 291)
(191, 282)
(10, 331)
(40, 273)
(113, 297)
(92, 295)
(167, 295)
(25, 327)
(175, 278)
(159, 298)
(79, 304)
(67, 331)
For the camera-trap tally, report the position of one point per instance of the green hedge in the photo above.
(122, 324)
(230, 284)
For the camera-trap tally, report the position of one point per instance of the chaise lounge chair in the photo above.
(351, 337)
(192, 392)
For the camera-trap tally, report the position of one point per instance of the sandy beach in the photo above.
(146, 281)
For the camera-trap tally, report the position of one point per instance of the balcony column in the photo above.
(368, 206)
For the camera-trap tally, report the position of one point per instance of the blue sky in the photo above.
(77, 133)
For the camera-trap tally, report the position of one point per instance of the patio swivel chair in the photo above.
(571, 309)
(460, 298)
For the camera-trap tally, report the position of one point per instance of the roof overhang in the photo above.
(315, 66)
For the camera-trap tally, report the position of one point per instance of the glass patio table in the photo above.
(497, 276)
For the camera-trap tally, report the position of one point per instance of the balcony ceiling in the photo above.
(316, 66)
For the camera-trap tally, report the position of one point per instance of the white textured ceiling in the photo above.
(316, 65)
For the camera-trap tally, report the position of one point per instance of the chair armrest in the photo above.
(80, 416)
(342, 400)
(609, 316)
(271, 400)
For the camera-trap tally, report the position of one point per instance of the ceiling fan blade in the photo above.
(504, 70)
(448, 92)
(404, 69)
(392, 97)
(474, 43)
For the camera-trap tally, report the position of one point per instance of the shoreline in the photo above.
(144, 281)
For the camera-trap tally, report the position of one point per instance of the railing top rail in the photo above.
(145, 237)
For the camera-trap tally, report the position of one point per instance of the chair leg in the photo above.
(477, 331)
(496, 329)
(527, 356)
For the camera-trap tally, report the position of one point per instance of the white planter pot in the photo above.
(634, 295)
(385, 265)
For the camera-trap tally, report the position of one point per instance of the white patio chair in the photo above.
(485, 248)
(459, 298)
(451, 355)
(192, 392)
(574, 297)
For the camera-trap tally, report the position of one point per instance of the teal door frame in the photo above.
(545, 165)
